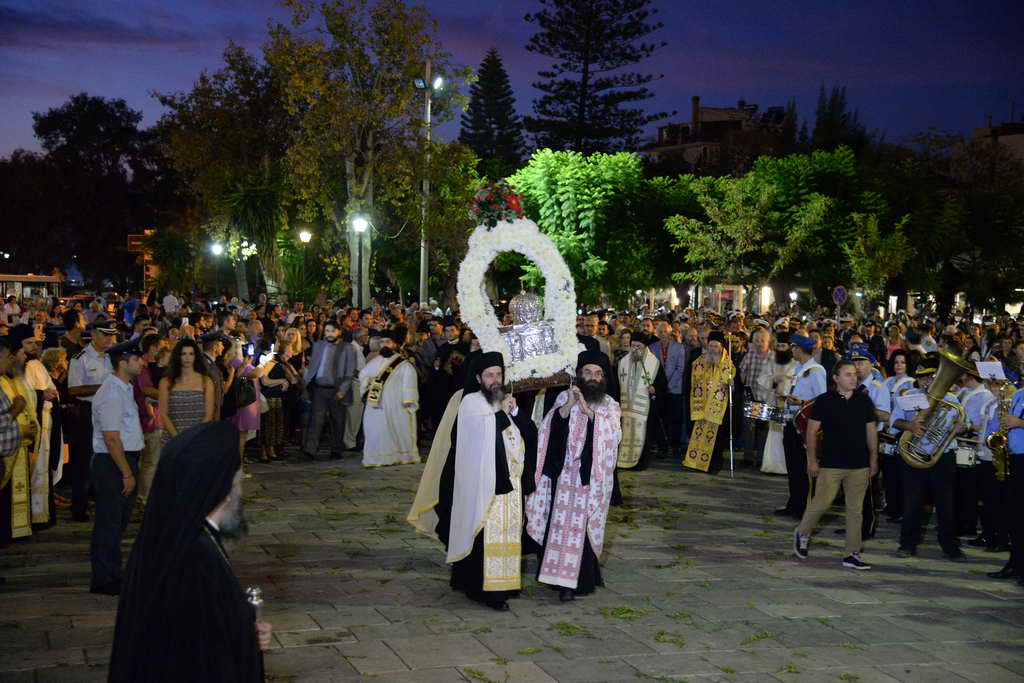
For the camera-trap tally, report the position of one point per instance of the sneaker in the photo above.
(800, 544)
(853, 561)
(955, 556)
(903, 551)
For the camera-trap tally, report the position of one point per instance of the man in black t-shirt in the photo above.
(848, 450)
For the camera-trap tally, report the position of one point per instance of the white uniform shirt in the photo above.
(114, 410)
(809, 383)
(88, 367)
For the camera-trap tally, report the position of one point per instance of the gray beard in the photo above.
(493, 396)
(235, 528)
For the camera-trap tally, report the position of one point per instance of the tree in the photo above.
(835, 125)
(348, 82)
(606, 219)
(227, 137)
(110, 179)
(453, 181)
(490, 125)
(587, 93)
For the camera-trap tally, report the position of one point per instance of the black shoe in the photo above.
(497, 605)
(1020, 581)
(83, 517)
(1006, 572)
(112, 588)
(904, 551)
(335, 456)
(853, 561)
(955, 556)
(997, 548)
(840, 532)
(896, 519)
(309, 455)
(783, 512)
(566, 595)
(979, 542)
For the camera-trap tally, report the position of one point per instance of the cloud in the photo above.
(51, 26)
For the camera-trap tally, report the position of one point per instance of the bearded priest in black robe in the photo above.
(183, 616)
(471, 493)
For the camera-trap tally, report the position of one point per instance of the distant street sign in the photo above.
(839, 295)
(135, 244)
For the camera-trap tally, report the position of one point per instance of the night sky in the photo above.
(908, 65)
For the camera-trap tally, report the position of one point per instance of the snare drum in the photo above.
(966, 456)
(758, 410)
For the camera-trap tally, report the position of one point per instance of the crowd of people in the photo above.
(685, 385)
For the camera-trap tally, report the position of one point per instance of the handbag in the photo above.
(774, 461)
(240, 395)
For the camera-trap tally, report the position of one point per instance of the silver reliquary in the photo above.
(530, 335)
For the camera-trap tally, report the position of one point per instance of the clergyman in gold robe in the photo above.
(713, 372)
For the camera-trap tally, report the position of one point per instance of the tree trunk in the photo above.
(683, 293)
(241, 280)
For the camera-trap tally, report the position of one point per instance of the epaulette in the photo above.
(80, 353)
(876, 383)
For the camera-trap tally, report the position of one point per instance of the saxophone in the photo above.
(998, 442)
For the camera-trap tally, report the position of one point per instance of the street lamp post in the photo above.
(428, 86)
(217, 249)
(304, 236)
(359, 224)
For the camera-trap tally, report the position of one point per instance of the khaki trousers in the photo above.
(148, 462)
(854, 483)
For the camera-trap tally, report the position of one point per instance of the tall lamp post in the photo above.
(216, 249)
(428, 87)
(359, 224)
(304, 236)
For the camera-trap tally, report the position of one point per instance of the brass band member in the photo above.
(1013, 422)
(809, 382)
(937, 481)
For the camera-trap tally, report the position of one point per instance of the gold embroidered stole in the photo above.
(503, 525)
(377, 385)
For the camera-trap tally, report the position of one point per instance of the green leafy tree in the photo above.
(589, 94)
(606, 219)
(875, 255)
(348, 68)
(227, 138)
(490, 125)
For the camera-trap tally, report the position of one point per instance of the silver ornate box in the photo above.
(529, 334)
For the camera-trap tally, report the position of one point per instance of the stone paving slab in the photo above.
(700, 585)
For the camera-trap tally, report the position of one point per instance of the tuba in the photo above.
(940, 418)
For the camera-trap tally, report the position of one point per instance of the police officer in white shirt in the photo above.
(882, 400)
(86, 371)
(809, 382)
(117, 444)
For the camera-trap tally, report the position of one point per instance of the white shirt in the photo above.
(114, 410)
(87, 368)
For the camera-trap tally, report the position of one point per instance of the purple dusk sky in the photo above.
(908, 65)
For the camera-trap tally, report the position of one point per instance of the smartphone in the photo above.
(250, 350)
(184, 321)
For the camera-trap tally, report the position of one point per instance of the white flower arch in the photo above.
(521, 236)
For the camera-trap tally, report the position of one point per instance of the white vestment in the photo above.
(635, 376)
(37, 378)
(389, 428)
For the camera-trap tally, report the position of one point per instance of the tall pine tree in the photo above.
(490, 125)
(835, 124)
(587, 94)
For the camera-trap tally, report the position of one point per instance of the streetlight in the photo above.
(421, 84)
(360, 224)
(304, 236)
(216, 249)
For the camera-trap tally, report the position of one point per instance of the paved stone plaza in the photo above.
(701, 585)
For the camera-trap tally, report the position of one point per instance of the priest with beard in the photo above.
(183, 615)
(576, 453)
(713, 373)
(470, 496)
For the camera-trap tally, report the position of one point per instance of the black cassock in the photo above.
(468, 573)
(183, 615)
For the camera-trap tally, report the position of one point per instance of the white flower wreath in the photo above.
(521, 236)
